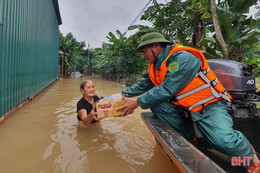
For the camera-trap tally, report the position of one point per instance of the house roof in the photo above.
(57, 10)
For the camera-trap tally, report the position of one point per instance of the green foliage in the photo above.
(119, 59)
(171, 19)
(256, 62)
(253, 58)
(188, 22)
(183, 21)
(72, 50)
(80, 61)
(240, 32)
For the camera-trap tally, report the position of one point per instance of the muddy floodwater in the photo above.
(43, 137)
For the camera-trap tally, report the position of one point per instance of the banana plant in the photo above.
(238, 29)
(171, 20)
(71, 49)
(119, 57)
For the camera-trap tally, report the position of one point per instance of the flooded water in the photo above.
(43, 137)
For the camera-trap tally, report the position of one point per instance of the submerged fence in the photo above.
(29, 43)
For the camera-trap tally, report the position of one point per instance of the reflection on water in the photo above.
(43, 137)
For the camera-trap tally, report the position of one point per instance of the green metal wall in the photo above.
(29, 43)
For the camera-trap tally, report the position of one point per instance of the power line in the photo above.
(140, 13)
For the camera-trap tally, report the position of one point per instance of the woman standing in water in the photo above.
(87, 117)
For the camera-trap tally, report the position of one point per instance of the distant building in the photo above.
(29, 49)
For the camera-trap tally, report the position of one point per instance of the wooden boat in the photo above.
(186, 157)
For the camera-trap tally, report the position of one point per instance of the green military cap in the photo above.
(150, 38)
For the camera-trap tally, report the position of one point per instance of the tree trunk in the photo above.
(199, 34)
(219, 36)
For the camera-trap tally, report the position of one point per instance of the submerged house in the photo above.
(29, 50)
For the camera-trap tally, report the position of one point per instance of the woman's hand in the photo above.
(93, 113)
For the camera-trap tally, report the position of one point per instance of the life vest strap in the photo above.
(201, 102)
(224, 95)
(202, 87)
(203, 71)
(207, 84)
(214, 82)
(204, 77)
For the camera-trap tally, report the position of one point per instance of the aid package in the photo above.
(106, 107)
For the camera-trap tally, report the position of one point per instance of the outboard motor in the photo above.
(239, 81)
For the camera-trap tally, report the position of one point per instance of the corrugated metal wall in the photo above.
(29, 43)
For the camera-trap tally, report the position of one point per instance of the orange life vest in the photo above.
(201, 91)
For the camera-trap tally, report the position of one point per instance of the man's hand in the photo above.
(129, 107)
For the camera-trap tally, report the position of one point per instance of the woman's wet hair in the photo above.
(82, 85)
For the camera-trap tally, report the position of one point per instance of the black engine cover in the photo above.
(237, 78)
